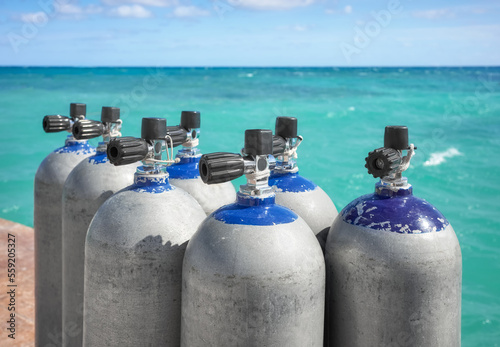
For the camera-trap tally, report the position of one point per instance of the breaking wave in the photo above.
(440, 157)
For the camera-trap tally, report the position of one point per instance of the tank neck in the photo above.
(149, 170)
(188, 152)
(257, 174)
(253, 200)
(286, 162)
(275, 173)
(256, 188)
(102, 147)
(111, 129)
(388, 189)
(145, 177)
(71, 141)
(285, 165)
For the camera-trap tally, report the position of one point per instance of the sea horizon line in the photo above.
(252, 67)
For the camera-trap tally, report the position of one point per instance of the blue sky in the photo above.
(249, 33)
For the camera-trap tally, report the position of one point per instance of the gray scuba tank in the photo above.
(185, 173)
(394, 266)
(134, 250)
(253, 273)
(89, 184)
(294, 191)
(49, 181)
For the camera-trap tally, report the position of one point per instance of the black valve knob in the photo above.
(221, 167)
(154, 128)
(178, 135)
(279, 145)
(77, 110)
(396, 136)
(87, 129)
(127, 150)
(190, 120)
(110, 114)
(54, 124)
(286, 127)
(258, 142)
(383, 161)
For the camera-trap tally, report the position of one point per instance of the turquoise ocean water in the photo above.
(453, 115)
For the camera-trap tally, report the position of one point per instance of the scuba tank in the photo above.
(134, 250)
(49, 181)
(297, 193)
(89, 184)
(394, 266)
(253, 273)
(185, 174)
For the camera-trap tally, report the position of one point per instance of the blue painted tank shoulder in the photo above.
(254, 211)
(76, 147)
(186, 169)
(154, 184)
(400, 214)
(98, 158)
(291, 182)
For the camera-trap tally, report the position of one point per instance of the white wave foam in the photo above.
(440, 157)
(10, 209)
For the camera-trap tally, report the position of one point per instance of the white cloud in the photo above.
(434, 14)
(296, 27)
(68, 8)
(91, 9)
(347, 9)
(270, 4)
(156, 3)
(190, 11)
(75, 10)
(132, 11)
(62, 10)
(34, 17)
(453, 11)
(300, 28)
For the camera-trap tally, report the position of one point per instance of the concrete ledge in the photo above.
(24, 281)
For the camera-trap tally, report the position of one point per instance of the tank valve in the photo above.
(127, 150)
(177, 134)
(58, 123)
(285, 144)
(109, 126)
(254, 162)
(388, 162)
(221, 167)
(186, 134)
(148, 149)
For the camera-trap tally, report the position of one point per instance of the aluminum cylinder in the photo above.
(394, 275)
(210, 197)
(259, 282)
(49, 181)
(185, 175)
(88, 186)
(307, 200)
(134, 252)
